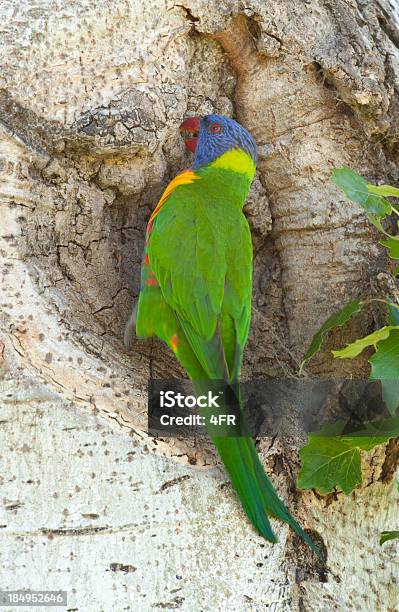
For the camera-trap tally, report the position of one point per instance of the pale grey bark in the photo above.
(91, 96)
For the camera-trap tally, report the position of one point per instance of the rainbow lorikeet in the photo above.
(196, 285)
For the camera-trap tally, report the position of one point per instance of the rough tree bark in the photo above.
(91, 95)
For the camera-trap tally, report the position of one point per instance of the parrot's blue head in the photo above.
(213, 135)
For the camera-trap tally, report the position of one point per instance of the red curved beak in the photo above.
(189, 130)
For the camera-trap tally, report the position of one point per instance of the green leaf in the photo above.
(388, 535)
(352, 184)
(375, 205)
(356, 189)
(385, 367)
(371, 434)
(383, 190)
(390, 394)
(327, 463)
(355, 348)
(336, 320)
(385, 362)
(392, 244)
(330, 461)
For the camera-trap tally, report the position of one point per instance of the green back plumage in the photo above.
(200, 251)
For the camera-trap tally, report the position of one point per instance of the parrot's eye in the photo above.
(215, 128)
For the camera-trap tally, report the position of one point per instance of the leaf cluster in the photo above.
(332, 458)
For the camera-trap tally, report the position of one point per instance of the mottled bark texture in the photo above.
(91, 96)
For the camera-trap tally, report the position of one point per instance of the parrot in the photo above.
(196, 289)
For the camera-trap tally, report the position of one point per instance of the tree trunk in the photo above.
(91, 97)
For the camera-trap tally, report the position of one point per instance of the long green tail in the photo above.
(237, 457)
(254, 488)
(258, 497)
